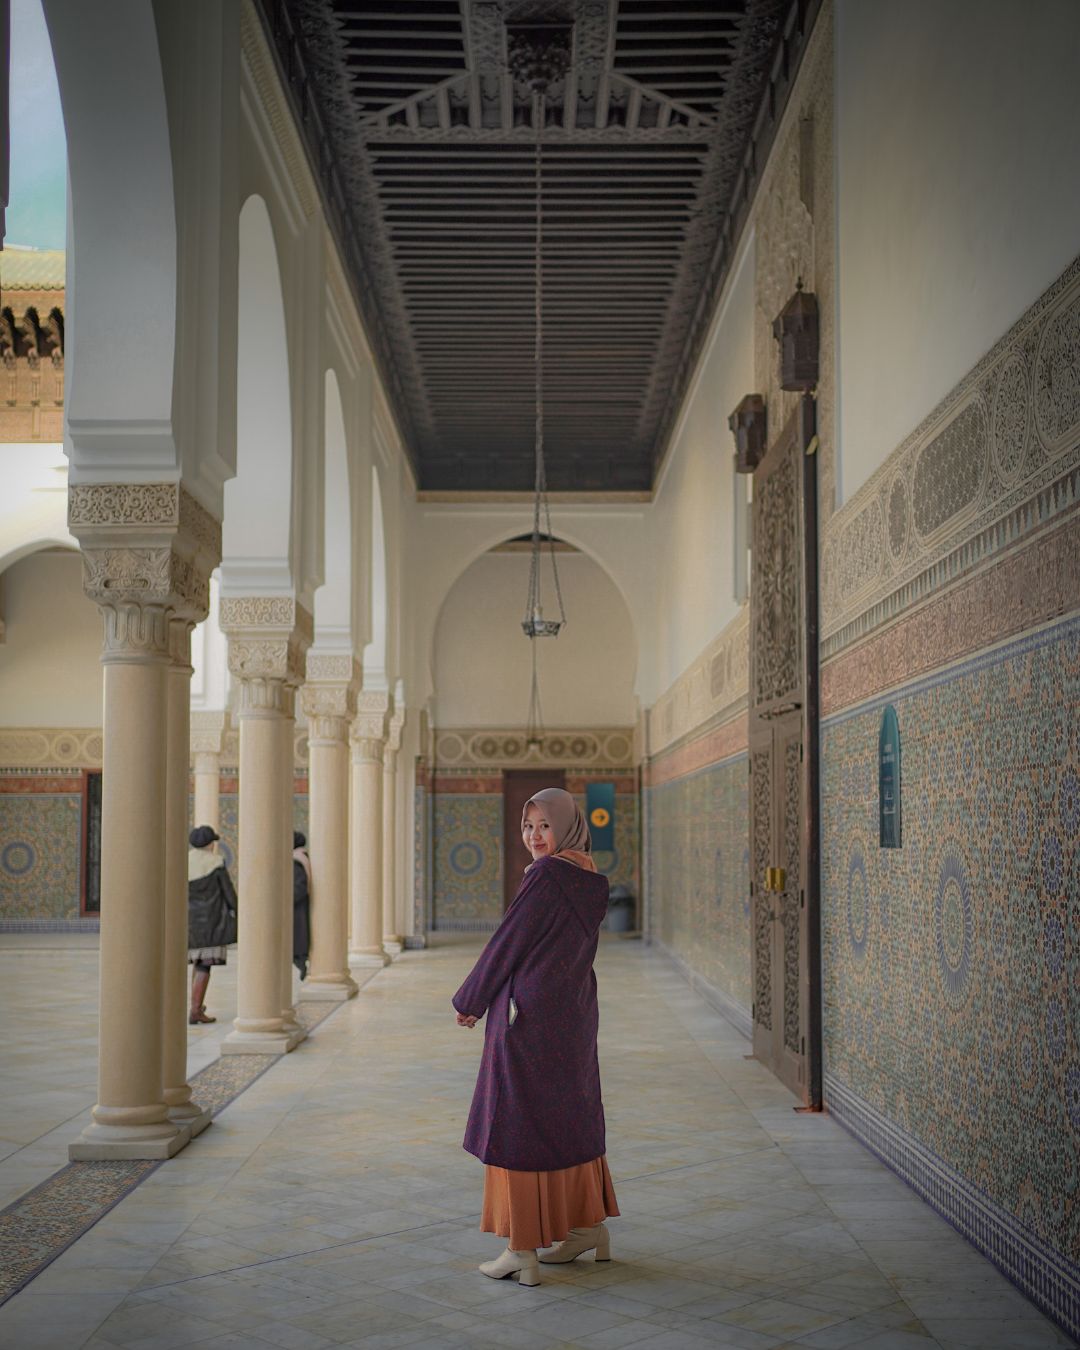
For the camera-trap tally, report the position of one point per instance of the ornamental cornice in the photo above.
(97, 511)
(274, 107)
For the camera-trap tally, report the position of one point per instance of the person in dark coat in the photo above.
(211, 915)
(301, 900)
(537, 1118)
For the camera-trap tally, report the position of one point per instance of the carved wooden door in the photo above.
(783, 760)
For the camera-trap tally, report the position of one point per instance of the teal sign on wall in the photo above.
(600, 813)
(889, 779)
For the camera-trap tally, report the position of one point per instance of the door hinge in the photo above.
(751, 890)
(802, 899)
(803, 1050)
(753, 1012)
(800, 752)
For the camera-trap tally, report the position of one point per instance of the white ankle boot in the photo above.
(580, 1240)
(522, 1264)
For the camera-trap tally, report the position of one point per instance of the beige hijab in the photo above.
(572, 839)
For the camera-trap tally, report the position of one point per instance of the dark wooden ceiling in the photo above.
(426, 142)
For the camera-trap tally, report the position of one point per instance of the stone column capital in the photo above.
(369, 728)
(148, 545)
(365, 749)
(268, 638)
(207, 731)
(329, 695)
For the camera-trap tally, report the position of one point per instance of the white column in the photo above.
(178, 1095)
(148, 549)
(329, 704)
(207, 729)
(392, 939)
(288, 752)
(267, 638)
(366, 832)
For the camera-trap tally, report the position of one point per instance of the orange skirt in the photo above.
(535, 1209)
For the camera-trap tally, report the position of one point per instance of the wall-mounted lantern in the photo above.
(796, 330)
(749, 424)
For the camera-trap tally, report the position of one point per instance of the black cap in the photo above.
(202, 835)
(298, 839)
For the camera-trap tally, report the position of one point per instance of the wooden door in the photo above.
(518, 786)
(783, 761)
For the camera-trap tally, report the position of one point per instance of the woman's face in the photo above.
(537, 833)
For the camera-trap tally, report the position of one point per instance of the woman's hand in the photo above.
(464, 1021)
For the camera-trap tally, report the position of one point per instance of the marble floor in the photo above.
(331, 1205)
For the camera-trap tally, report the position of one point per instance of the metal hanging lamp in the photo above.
(539, 55)
(534, 625)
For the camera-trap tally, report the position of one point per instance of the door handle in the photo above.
(775, 879)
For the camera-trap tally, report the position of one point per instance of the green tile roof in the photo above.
(25, 269)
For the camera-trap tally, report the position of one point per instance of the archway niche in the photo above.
(258, 543)
(375, 654)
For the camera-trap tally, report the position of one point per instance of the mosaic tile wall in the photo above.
(700, 874)
(40, 846)
(468, 882)
(468, 862)
(952, 965)
(41, 841)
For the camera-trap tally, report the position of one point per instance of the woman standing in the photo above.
(211, 916)
(537, 1121)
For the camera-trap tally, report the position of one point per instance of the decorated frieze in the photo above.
(997, 460)
(51, 747)
(712, 689)
(467, 748)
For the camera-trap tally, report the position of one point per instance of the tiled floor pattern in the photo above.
(38, 1226)
(331, 1205)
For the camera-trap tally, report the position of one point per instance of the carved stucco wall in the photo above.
(951, 589)
(794, 225)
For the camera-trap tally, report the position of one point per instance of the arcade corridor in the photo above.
(331, 1205)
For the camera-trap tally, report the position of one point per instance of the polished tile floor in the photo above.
(331, 1204)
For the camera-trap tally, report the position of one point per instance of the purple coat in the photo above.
(537, 1104)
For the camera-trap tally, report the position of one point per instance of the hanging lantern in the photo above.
(534, 625)
(749, 423)
(796, 330)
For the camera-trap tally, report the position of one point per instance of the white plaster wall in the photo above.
(33, 499)
(959, 196)
(50, 663)
(439, 541)
(482, 659)
(693, 514)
